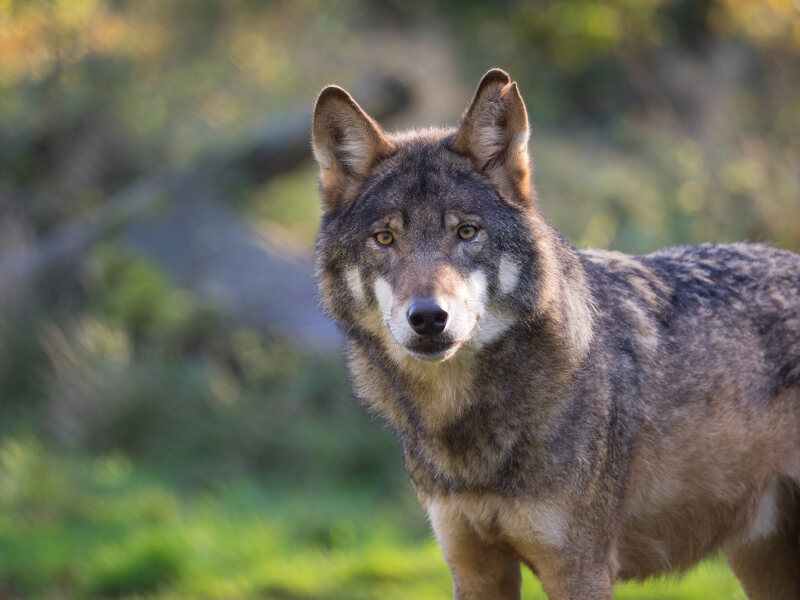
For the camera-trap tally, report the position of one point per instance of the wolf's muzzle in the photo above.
(427, 316)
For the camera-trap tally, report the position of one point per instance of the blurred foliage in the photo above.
(187, 457)
(93, 92)
(595, 60)
(668, 191)
(138, 296)
(146, 372)
(288, 205)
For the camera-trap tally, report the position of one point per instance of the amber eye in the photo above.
(466, 232)
(384, 238)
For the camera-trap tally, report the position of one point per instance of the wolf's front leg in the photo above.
(572, 572)
(586, 583)
(481, 570)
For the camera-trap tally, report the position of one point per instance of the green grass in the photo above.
(78, 527)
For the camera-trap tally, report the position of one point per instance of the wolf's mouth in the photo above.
(431, 349)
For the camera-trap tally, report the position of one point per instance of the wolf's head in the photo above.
(430, 241)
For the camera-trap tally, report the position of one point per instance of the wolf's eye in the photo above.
(466, 232)
(384, 238)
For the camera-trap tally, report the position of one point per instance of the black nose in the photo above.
(427, 316)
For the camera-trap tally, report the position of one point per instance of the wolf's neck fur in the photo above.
(564, 296)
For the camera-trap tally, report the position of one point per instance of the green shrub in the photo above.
(141, 567)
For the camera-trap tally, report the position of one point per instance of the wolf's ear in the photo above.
(347, 142)
(494, 133)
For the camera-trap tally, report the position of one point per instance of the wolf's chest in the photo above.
(519, 523)
(453, 419)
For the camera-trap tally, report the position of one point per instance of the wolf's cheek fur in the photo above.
(354, 284)
(385, 298)
(507, 275)
(491, 323)
(493, 319)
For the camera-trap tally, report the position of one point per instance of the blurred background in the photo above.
(175, 419)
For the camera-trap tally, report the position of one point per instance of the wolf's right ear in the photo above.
(347, 142)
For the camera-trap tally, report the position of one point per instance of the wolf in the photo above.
(595, 416)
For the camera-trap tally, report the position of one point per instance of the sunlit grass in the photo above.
(138, 537)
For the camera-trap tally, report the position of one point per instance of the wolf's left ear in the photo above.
(494, 133)
(347, 143)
